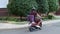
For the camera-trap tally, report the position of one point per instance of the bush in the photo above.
(50, 16)
(3, 18)
(12, 19)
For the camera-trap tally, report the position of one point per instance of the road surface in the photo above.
(53, 28)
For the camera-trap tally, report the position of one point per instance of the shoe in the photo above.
(37, 26)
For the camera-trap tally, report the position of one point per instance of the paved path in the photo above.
(49, 27)
(12, 26)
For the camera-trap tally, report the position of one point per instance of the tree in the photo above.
(53, 5)
(47, 6)
(43, 6)
(21, 7)
(59, 2)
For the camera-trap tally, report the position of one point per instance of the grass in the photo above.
(54, 18)
(12, 20)
(17, 19)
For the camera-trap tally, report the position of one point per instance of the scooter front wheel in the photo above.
(31, 29)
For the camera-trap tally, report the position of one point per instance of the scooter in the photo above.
(33, 27)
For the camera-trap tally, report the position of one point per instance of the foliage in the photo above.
(12, 19)
(46, 6)
(21, 7)
(59, 2)
(53, 5)
(50, 16)
(43, 6)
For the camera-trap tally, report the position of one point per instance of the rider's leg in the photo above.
(40, 24)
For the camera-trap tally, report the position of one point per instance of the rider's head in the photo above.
(33, 12)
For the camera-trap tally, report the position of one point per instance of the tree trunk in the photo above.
(47, 14)
(21, 18)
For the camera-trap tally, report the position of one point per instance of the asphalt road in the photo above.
(53, 28)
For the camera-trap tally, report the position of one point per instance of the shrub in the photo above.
(12, 19)
(50, 16)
